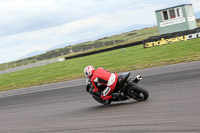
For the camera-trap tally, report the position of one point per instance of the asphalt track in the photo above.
(173, 106)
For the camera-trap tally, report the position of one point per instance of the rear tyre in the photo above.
(137, 92)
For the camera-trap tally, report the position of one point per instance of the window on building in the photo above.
(165, 15)
(178, 12)
(172, 13)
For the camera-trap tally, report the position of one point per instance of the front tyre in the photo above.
(137, 92)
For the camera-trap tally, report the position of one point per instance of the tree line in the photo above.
(71, 49)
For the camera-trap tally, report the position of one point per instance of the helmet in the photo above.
(88, 71)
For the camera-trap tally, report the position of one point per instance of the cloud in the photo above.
(25, 15)
(196, 5)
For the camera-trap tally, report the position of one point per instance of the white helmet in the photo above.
(88, 71)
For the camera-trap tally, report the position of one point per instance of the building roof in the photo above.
(172, 7)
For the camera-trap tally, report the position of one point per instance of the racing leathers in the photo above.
(102, 76)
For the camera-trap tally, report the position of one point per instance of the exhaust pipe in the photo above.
(137, 78)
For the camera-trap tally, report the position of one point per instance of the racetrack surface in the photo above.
(173, 106)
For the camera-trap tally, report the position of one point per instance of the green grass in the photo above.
(135, 57)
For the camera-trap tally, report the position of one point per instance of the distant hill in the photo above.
(34, 53)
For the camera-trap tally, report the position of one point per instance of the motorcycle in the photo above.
(125, 89)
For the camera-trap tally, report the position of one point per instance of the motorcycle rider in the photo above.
(104, 77)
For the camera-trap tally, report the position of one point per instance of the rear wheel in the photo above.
(137, 92)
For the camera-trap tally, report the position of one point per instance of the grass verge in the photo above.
(135, 57)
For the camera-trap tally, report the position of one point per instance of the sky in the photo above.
(28, 26)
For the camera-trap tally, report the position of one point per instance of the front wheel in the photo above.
(137, 92)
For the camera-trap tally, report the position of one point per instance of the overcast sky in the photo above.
(38, 25)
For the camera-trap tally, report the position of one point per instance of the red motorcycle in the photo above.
(125, 89)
